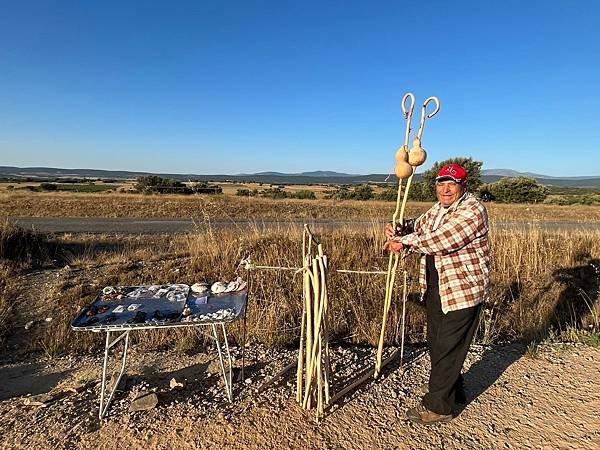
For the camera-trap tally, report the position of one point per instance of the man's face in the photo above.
(448, 192)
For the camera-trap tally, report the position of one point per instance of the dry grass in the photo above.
(201, 207)
(543, 283)
(6, 292)
(21, 247)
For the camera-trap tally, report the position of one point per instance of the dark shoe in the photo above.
(421, 415)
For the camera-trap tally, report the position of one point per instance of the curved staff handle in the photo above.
(408, 115)
(424, 114)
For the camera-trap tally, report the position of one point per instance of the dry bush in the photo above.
(21, 247)
(6, 293)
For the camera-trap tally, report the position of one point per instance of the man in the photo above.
(452, 238)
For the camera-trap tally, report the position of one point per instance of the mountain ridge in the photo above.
(14, 173)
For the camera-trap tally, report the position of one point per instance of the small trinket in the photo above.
(218, 287)
(199, 288)
(108, 290)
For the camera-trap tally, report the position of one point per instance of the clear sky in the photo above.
(248, 86)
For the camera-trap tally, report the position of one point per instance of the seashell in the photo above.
(108, 290)
(218, 287)
(199, 288)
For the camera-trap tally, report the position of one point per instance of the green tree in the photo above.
(472, 167)
(154, 184)
(518, 190)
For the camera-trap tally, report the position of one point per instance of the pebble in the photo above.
(144, 401)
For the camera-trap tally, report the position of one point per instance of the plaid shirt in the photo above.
(459, 244)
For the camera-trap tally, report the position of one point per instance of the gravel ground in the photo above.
(515, 401)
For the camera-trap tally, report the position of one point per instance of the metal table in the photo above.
(211, 310)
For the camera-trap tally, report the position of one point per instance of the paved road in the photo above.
(169, 226)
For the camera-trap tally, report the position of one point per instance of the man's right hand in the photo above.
(390, 232)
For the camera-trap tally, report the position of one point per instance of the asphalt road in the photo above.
(169, 226)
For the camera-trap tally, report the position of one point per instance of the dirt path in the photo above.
(515, 401)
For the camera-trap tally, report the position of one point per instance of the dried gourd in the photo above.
(402, 154)
(403, 169)
(417, 154)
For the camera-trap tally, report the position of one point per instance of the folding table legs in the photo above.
(222, 350)
(227, 376)
(109, 344)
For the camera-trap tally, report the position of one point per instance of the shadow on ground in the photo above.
(25, 379)
(485, 372)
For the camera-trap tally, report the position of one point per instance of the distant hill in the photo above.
(316, 173)
(315, 177)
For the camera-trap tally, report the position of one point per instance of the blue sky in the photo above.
(230, 87)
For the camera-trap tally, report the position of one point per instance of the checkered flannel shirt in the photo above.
(460, 248)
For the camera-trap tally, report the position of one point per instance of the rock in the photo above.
(143, 402)
(248, 381)
(175, 385)
(38, 400)
(29, 324)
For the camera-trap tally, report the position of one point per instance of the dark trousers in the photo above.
(448, 337)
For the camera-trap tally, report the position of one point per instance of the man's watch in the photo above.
(405, 228)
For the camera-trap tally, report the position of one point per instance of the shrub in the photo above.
(586, 199)
(153, 184)
(516, 190)
(247, 192)
(48, 186)
(390, 194)
(362, 192)
(275, 193)
(305, 194)
(202, 187)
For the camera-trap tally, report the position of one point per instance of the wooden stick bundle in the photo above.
(314, 370)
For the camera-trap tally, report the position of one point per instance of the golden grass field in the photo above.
(202, 207)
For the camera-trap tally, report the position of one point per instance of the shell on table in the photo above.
(199, 288)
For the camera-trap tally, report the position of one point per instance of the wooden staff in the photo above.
(300, 366)
(401, 161)
(406, 163)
